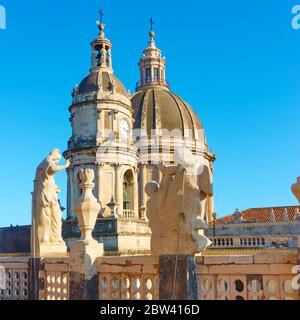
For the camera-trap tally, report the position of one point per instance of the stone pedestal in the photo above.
(51, 250)
(177, 276)
(83, 270)
(84, 252)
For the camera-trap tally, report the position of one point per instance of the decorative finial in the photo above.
(101, 26)
(151, 33)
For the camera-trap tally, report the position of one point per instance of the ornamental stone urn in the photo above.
(86, 250)
(88, 207)
(296, 189)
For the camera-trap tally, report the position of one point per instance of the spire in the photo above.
(152, 65)
(101, 48)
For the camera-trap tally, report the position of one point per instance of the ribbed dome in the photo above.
(90, 83)
(158, 108)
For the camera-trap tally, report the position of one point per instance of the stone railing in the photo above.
(16, 278)
(239, 242)
(128, 214)
(128, 278)
(248, 277)
(55, 280)
(222, 242)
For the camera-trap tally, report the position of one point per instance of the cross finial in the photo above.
(101, 16)
(151, 23)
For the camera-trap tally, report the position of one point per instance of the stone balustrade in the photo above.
(14, 278)
(128, 214)
(248, 277)
(238, 242)
(263, 275)
(55, 279)
(128, 278)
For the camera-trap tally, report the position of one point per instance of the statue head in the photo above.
(54, 156)
(296, 189)
(175, 213)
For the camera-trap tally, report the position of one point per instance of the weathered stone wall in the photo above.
(247, 277)
(15, 239)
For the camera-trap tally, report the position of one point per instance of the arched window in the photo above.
(148, 75)
(128, 184)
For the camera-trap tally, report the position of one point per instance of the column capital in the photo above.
(117, 165)
(99, 164)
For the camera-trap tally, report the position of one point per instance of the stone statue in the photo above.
(46, 211)
(238, 217)
(113, 86)
(296, 189)
(103, 57)
(175, 213)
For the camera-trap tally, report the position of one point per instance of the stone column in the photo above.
(135, 194)
(99, 166)
(70, 192)
(118, 190)
(101, 125)
(177, 277)
(143, 192)
(84, 252)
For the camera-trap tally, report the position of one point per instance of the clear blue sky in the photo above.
(236, 62)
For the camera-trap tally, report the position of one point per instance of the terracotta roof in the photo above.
(261, 215)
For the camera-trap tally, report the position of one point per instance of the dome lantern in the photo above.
(152, 65)
(101, 48)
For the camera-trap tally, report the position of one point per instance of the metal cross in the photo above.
(101, 15)
(151, 24)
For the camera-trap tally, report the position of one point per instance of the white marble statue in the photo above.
(175, 212)
(47, 215)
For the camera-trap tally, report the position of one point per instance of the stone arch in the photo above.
(128, 182)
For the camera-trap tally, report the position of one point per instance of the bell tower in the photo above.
(102, 138)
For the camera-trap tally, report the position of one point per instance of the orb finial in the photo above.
(100, 23)
(151, 33)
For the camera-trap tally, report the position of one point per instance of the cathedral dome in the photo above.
(156, 107)
(90, 84)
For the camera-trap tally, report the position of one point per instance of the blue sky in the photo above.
(236, 62)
